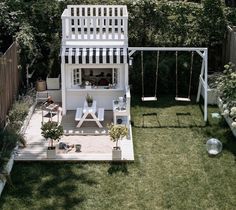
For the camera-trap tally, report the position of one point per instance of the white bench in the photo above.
(100, 114)
(78, 114)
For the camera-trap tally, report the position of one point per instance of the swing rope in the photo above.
(190, 76)
(157, 70)
(177, 98)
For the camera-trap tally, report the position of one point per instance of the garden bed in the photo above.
(8, 167)
(228, 119)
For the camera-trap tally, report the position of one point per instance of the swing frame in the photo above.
(202, 52)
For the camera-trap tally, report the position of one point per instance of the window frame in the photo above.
(77, 80)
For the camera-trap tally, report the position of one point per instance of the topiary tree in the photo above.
(117, 132)
(52, 131)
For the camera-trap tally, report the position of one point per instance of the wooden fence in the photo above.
(229, 53)
(9, 81)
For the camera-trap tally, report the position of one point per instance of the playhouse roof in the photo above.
(94, 55)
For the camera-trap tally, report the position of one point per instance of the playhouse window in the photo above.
(76, 77)
(95, 76)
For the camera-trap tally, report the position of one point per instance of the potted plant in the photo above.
(89, 100)
(40, 85)
(51, 131)
(88, 85)
(116, 133)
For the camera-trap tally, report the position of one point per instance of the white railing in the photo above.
(95, 23)
(97, 10)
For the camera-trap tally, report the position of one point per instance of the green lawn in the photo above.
(171, 170)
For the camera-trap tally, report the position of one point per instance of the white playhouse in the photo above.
(94, 56)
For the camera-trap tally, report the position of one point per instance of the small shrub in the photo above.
(89, 99)
(18, 113)
(8, 140)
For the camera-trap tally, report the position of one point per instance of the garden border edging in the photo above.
(10, 162)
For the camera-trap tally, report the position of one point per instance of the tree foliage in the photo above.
(36, 25)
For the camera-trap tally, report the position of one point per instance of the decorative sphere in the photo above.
(214, 146)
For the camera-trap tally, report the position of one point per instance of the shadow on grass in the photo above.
(167, 113)
(181, 120)
(57, 185)
(118, 167)
(163, 101)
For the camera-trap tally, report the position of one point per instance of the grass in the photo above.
(171, 170)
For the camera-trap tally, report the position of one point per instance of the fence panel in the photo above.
(9, 81)
(230, 45)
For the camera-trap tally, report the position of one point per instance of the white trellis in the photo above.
(203, 52)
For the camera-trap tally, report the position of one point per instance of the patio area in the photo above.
(95, 142)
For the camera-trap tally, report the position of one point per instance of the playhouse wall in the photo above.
(75, 99)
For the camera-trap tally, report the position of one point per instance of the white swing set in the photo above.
(203, 52)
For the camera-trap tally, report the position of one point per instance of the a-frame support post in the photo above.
(205, 86)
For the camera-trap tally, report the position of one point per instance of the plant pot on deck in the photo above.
(78, 147)
(90, 104)
(116, 153)
(51, 152)
(40, 85)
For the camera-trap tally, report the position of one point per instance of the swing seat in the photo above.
(182, 99)
(149, 98)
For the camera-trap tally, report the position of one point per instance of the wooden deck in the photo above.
(87, 128)
(95, 142)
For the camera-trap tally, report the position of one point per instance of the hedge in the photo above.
(37, 27)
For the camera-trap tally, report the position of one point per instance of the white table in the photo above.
(89, 111)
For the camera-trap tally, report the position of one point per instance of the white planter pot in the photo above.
(116, 154)
(211, 96)
(51, 154)
(53, 83)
